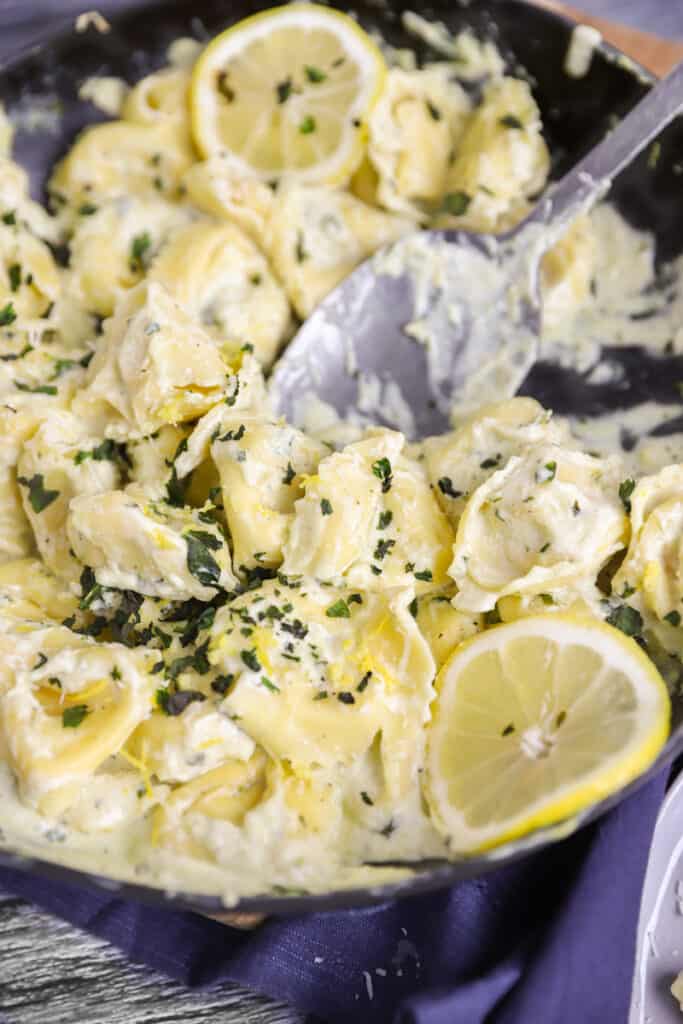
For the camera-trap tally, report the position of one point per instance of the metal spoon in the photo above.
(446, 315)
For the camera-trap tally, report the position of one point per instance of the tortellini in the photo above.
(323, 672)
(414, 132)
(67, 705)
(501, 160)
(369, 519)
(113, 244)
(261, 464)
(155, 366)
(217, 273)
(132, 543)
(458, 462)
(60, 462)
(317, 236)
(29, 279)
(550, 518)
(654, 562)
(121, 158)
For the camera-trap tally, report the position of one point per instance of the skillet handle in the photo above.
(656, 54)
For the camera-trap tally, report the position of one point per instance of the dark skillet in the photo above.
(576, 113)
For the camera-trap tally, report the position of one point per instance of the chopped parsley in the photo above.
(221, 684)
(383, 548)
(382, 470)
(363, 684)
(544, 474)
(226, 91)
(87, 209)
(39, 389)
(314, 75)
(674, 618)
(250, 659)
(72, 717)
(491, 462)
(283, 90)
(626, 489)
(200, 562)
(326, 507)
(511, 121)
(627, 619)
(456, 203)
(265, 681)
(140, 252)
(105, 452)
(367, 799)
(446, 487)
(174, 702)
(308, 125)
(425, 575)
(508, 730)
(9, 218)
(290, 473)
(38, 495)
(14, 274)
(542, 550)
(433, 110)
(7, 315)
(412, 607)
(234, 435)
(300, 250)
(338, 610)
(346, 698)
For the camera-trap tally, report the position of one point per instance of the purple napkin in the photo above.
(549, 940)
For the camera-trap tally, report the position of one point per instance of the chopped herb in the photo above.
(283, 90)
(250, 659)
(315, 75)
(433, 110)
(234, 435)
(354, 599)
(9, 218)
(544, 474)
(221, 684)
(576, 508)
(376, 570)
(547, 598)
(491, 462)
(674, 618)
(116, 674)
(445, 485)
(39, 389)
(13, 356)
(7, 315)
(321, 695)
(105, 452)
(367, 799)
(425, 575)
(382, 470)
(300, 251)
(38, 495)
(326, 507)
(384, 519)
(307, 126)
(456, 203)
(383, 548)
(363, 684)
(511, 121)
(265, 681)
(72, 717)
(174, 702)
(87, 209)
(492, 617)
(388, 829)
(338, 610)
(42, 660)
(626, 489)
(508, 730)
(628, 591)
(346, 698)
(289, 474)
(226, 91)
(140, 252)
(200, 562)
(545, 547)
(255, 279)
(627, 619)
(412, 607)
(14, 274)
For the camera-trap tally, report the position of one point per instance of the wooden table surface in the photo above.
(50, 972)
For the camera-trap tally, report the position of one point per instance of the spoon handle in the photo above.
(591, 178)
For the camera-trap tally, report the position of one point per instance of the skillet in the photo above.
(575, 113)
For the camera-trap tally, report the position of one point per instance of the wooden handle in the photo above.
(654, 53)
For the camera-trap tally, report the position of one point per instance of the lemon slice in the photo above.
(286, 93)
(534, 721)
